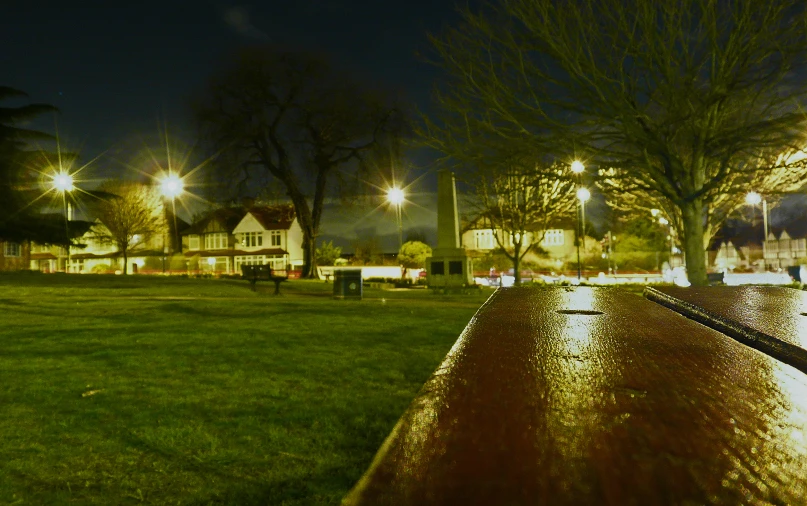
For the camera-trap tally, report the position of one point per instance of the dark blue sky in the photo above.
(116, 69)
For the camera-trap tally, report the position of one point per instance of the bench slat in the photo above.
(770, 319)
(637, 405)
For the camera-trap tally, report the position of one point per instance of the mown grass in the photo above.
(129, 390)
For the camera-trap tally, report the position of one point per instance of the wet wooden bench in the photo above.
(568, 396)
(255, 273)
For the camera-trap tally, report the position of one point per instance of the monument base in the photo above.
(449, 268)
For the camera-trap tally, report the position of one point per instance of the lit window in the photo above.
(274, 236)
(553, 238)
(483, 239)
(252, 239)
(216, 241)
(193, 242)
(12, 249)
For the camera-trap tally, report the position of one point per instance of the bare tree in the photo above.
(294, 118)
(683, 101)
(130, 217)
(519, 200)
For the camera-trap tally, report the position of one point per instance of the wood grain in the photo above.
(770, 319)
(595, 396)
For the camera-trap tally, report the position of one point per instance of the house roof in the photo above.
(279, 217)
(482, 223)
(235, 252)
(228, 217)
(85, 256)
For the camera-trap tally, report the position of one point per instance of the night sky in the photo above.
(119, 69)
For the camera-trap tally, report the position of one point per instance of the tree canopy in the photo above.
(294, 118)
(681, 105)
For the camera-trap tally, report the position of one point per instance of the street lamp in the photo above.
(582, 195)
(752, 199)
(396, 197)
(63, 183)
(171, 186)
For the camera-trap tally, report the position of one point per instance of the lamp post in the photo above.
(582, 195)
(578, 168)
(396, 197)
(171, 186)
(63, 183)
(754, 198)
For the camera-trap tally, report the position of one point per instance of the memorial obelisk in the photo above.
(449, 265)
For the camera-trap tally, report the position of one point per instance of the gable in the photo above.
(248, 224)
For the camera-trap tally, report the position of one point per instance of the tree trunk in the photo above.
(309, 254)
(516, 264)
(694, 252)
(125, 262)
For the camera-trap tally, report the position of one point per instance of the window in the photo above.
(216, 241)
(193, 242)
(438, 268)
(455, 267)
(250, 239)
(483, 239)
(553, 238)
(274, 237)
(11, 249)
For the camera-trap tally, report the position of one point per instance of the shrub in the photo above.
(327, 253)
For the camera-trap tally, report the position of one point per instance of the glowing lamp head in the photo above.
(171, 186)
(578, 167)
(63, 182)
(583, 194)
(395, 195)
(753, 198)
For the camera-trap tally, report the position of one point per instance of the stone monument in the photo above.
(449, 266)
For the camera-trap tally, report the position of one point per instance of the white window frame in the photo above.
(275, 238)
(251, 239)
(483, 239)
(12, 249)
(553, 237)
(216, 240)
(193, 242)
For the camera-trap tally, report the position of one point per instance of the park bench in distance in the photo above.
(255, 273)
(569, 396)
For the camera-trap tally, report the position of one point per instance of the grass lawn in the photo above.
(144, 389)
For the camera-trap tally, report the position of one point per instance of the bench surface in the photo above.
(595, 396)
(770, 319)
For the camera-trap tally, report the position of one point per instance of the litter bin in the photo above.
(347, 284)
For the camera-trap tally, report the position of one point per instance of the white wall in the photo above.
(372, 271)
(294, 243)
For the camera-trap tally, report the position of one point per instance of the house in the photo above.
(782, 250)
(728, 256)
(269, 235)
(93, 252)
(227, 238)
(208, 243)
(559, 243)
(14, 256)
(47, 258)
